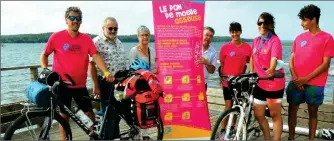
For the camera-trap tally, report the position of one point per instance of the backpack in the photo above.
(144, 90)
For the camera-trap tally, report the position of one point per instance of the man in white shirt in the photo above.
(209, 54)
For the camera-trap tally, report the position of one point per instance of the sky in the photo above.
(32, 17)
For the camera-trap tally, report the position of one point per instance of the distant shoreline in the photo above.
(43, 38)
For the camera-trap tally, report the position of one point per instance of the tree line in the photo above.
(43, 38)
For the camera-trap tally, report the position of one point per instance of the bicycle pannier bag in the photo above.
(145, 109)
(39, 94)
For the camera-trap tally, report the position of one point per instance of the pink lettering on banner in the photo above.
(178, 33)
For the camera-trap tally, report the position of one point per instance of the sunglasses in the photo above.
(112, 28)
(260, 23)
(72, 18)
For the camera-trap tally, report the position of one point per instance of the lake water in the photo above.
(13, 83)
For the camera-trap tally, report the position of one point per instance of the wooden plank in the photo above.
(301, 122)
(302, 138)
(326, 107)
(284, 136)
(322, 116)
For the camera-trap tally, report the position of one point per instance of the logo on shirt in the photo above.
(66, 46)
(232, 53)
(75, 48)
(303, 43)
(265, 51)
(254, 50)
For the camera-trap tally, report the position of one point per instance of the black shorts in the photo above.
(66, 95)
(262, 96)
(227, 93)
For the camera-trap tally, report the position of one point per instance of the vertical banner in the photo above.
(178, 34)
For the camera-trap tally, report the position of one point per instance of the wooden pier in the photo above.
(11, 111)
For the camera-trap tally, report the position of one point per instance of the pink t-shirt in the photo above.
(71, 55)
(312, 49)
(272, 47)
(234, 59)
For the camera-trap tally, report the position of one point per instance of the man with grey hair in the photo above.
(209, 54)
(112, 52)
(71, 55)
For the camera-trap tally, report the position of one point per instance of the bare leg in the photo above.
(292, 120)
(259, 110)
(228, 105)
(313, 120)
(91, 115)
(61, 129)
(275, 112)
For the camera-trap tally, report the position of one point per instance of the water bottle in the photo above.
(83, 117)
(279, 65)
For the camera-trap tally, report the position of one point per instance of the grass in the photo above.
(287, 44)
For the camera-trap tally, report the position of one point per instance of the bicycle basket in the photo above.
(39, 94)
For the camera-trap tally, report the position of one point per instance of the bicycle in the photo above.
(241, 110)
(31, 111)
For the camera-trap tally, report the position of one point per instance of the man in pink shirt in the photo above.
(233, 58)
(308, 79)
(71, 49)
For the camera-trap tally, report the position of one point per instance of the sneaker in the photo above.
(222, 134)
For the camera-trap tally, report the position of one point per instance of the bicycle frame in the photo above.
(245, 109)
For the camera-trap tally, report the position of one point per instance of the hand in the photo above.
(270, 72)
(299, 87)
(155, 71)
(202, 60)
(301, 81)
(97, 92)
(108, 77)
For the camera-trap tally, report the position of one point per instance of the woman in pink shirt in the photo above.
(233, 58)
(267, 49)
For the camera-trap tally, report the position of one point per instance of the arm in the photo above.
(221, 60)
(319, 70)
(251, 64)
(211, 67)
(46, 52)
(93, 73)
(44, 60)
(132, 54)
(276, 52)
(291, 64)
(99, 62)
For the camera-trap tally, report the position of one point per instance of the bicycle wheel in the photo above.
(135, 133)
(229, 115)
(253, 128)
(21, 129)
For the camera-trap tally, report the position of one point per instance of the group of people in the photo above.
(307, 82)
(75, 53)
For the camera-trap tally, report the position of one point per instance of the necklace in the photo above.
(145, 53)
